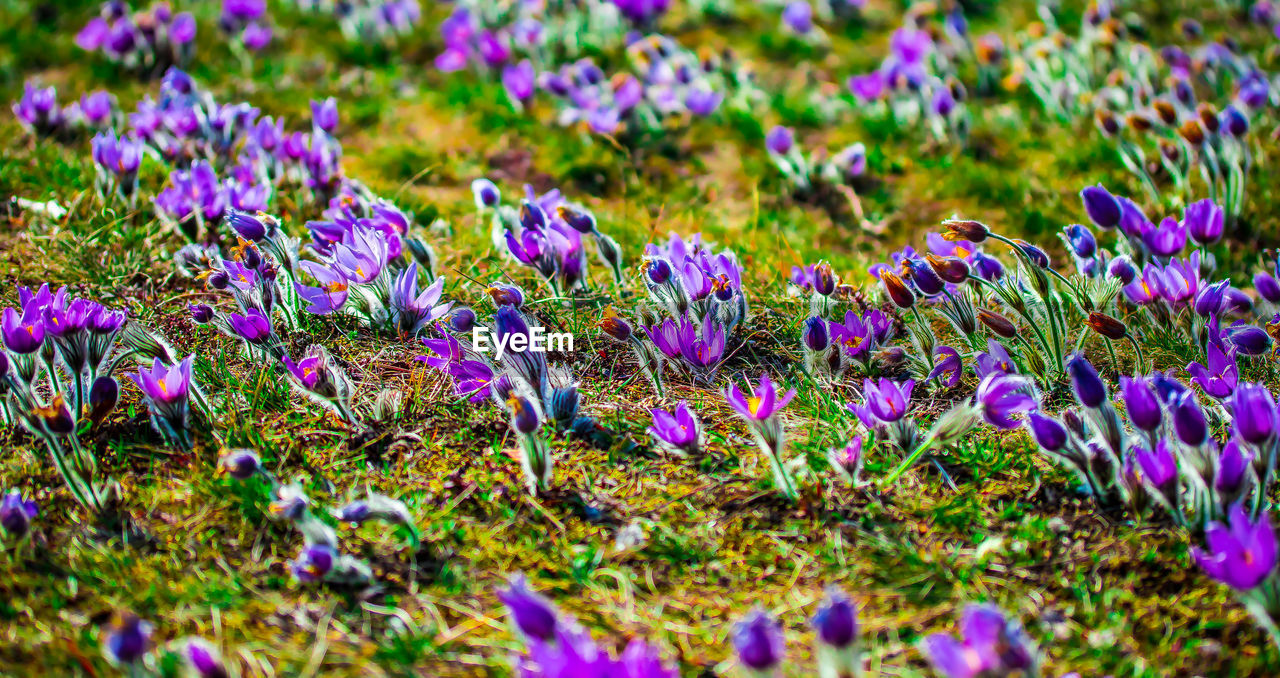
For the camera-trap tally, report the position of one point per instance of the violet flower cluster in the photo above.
(147, 41)
(1178, 118)
(702, 300)
(40, 114)
(556, 646)
(845, 166)
(546, 234)
(915, 85)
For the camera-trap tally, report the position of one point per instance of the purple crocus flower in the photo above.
(413, 311)
(887, 400)
(780, 140)
(1247, 339)
(1081, 241)
(165, 386)
(763, 403)
(1267, 286)
(1049, 433)
(701, 100)
(314, 562)
(989, 644)
(16, 513)
(329, 296)
(1241, 554)
(1204, 221)
(1102, 207)
(679, 430)
(23, 333)
(256, 36)
(798, 16)
(1188, 420)
(946, 366)
(1141, 403)
(203, 658)
(532, 614)
(836, 621)
(996, 359)
(868, 87)
(1211, 298)
(1233, 463)
(1254, 417)
(1160, 466)
(855, 336)
(1003, 395)
(1121, 268)
(1085, 382)
(1220, 377)
(38, 109)
(758, 641)
(1167, 239)
(240, 464)
(519, 81)
(128, 639)
(253, 327)
(324, 115)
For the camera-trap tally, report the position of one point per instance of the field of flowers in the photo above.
(639, 338)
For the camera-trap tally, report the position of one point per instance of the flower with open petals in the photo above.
(1241, 554)
(763, 403)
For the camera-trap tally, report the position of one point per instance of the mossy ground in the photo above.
(196, 555)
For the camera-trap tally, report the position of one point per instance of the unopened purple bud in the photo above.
(201, 313)
(532, 614)
(837, 621)
(240, 464)
(816, 336)
(1048, 432)
(1102, 207)
(758, 641)
(103, 396)
(1188, 420)
(462, 319)
(16, 513)
(524, 418)
(1085, 382)
(1267, 286)
(658, 270)
(780, 140)
(1121, 268)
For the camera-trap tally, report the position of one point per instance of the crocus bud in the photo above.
(217, 280)
(1255, 413)
(532, 216)
(1106, 325)
(1165, 110)
(816, 335)
(531, 613)
(824, 279)
(506, 295)
(613, 325)
(658, 270)
(1208, 117)
(1159, 465)
(1036, 255)
(103, 396)
(485, 193)
(924, 277)
(579, 220)
(1188, 420)
(1248, 340)
(1267, 286)
(1121, 268)
(780, 140)
(1233, 464)
(898, 290)
(201, 313)
(251, 257)
(1209, 300)
(951, 269)
(56, 416)
(1048, 432)
(963, 229)
(128, 639)
(847, 460)
(1085, 382)
(240, 464)
(997, 323)
(248, 227)
(1107, 123)
(1081, 241)
(836, 621)
(203, 659)
(462, 319)
(16, 513)
(314, 562)
(1234, 121)
(524, 418)
(758, 641)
